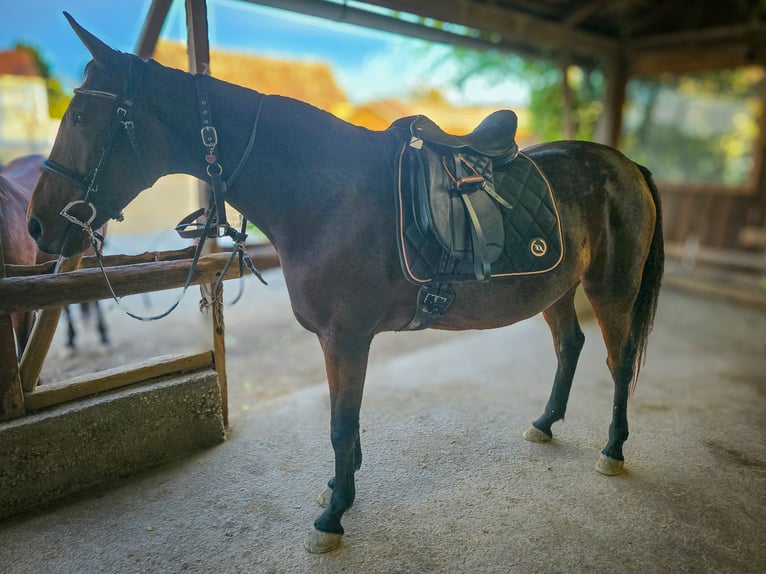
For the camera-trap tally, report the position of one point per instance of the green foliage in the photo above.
(544, 80)
(695, 127)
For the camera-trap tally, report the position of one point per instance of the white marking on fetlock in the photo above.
(318, 542)
(534, 434)
(609, 466)
(324, 497)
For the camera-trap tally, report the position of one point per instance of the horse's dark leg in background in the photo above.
(71, 334)
(568, 340)
(346, 363)
(101, 323)
(86, 315)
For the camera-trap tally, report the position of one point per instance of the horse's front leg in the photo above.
(346, 364)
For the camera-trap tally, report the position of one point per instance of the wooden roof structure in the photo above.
(653, 35)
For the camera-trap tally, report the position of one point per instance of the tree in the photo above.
(544, 79)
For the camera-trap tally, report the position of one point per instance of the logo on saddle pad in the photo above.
(538, 247)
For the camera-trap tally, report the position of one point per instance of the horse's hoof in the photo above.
(534, 434)
(318, 542)
(609, 466)
(324, 497)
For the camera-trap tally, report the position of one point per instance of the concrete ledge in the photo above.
(68, 448)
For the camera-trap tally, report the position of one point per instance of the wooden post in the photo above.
(219, 343)
(198, 50)
(569, 128)
(150, 33)
(616, 81)
(42, 334)
(11, 397)
(758, 173)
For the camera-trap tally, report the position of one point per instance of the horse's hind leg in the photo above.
(614, 314)
(346, 365)
(568, 340)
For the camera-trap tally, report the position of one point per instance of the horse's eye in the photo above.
(79, 118)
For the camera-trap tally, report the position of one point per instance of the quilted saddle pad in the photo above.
(533, 240)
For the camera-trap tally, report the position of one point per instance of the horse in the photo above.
(17, 180)
(322, 190)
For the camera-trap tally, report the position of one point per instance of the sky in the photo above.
(367, 64)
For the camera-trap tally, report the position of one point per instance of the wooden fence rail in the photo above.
(25, 288)
(31, 292)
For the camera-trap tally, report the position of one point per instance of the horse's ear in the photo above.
(101, 52)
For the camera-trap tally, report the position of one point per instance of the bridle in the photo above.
(215, 224)
(89, 184)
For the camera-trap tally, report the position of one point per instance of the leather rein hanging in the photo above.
(214, 226)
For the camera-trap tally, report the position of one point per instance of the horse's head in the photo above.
(95, 167)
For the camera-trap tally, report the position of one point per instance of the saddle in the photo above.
(469, 208)
(455, 191)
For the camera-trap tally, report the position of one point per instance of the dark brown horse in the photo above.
(17, 180)
(323, 192)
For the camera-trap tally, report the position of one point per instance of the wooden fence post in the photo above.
(42, 334)
(11, 397)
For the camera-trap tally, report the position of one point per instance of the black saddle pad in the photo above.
(533, 242)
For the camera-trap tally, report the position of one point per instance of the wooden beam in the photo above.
(150, 33)
(681, 60)
(705, 189)
(532, 35)
(582, 13)
(93, 383)
(197, 41)
(29, 293)
(91, 262)
(720, 35)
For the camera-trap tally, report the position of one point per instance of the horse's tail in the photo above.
(645, 305)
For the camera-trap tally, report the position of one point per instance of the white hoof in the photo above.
(534, 434)
(609, 466)
(318, 542)
(324, 497)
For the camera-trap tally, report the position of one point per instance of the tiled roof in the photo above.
(310, 82)
(18, 63)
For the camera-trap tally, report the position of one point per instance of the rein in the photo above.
(215, 224)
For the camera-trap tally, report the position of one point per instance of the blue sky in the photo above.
(367, 64)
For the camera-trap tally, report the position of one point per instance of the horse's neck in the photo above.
(301, 162)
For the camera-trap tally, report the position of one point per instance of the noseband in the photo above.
(89, 184)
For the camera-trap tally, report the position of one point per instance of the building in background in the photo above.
(25, 123)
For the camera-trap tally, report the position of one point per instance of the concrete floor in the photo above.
(448, 484)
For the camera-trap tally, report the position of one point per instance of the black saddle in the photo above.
(456, 194)
(469, 208)
(493, 137)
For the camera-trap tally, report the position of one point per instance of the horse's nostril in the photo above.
(35, 229)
